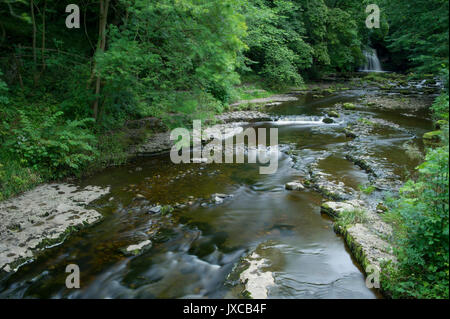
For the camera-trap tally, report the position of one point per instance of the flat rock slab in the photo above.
(134, 250)
(243, 116)
(368, 240)
(42, 217)
(271, 99)
(335, 209)
(367, 246)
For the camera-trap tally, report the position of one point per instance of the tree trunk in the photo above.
(43, 36)
(101, 44)
(33, 20)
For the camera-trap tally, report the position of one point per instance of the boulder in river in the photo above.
(139, 197)
(134, 250)
(335, 209)
(349, 133)
(328, 120)
(295, 186)
(333, 114)
(155, 209)
(349, 106)
(254, 274)
(431, 138)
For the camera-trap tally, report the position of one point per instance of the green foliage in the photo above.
(343, 41)
(277, 50)
(421, 219)
(50, 145)
(368, 190)
(112, 150)
(3, 91)
(440, 108)
(14, 178)
(165, 52)
(419, 33)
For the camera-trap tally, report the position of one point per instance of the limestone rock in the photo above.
(334, 209)
(134, 250)
(295, 186)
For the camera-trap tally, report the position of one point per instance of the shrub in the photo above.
(421, 221)
(440, 107)
(15, 179)
(3, 91)
(53, 147)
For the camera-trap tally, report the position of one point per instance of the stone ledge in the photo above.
(41, 218)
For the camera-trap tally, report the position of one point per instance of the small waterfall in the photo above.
(372, 62)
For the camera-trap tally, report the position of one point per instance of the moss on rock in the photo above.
(431, 138)
(349, 106)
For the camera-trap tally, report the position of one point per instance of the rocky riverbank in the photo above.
(160, 142)
(367, 236)
(358, 211)
(42, 218)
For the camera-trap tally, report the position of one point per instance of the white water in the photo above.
(372, 62)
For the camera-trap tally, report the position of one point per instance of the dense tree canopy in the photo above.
(138, 58)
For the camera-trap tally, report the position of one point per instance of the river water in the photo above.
(196, 248)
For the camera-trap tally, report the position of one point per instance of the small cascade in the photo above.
(299, 120)
(372, 62)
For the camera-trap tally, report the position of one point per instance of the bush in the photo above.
(15, 179)
(421, 221)
(112, 150)
(440, 107)
(52, 147)
(3, 91)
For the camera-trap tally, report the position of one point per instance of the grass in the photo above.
(253, 88)
(352, 217)
(368, 190)
(16, 179)
(252, 91)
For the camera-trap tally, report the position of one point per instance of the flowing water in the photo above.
(372, 62)
(196, 247)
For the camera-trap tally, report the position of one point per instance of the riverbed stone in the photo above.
(349, 133)
(139, 197)
(349, 106)
(264, 101)
(333, 114)
(254, 275)
(134, 250)
(295, 186)
(155, 209)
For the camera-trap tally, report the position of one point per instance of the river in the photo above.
(196, 248)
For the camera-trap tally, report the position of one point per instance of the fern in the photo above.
(56, 147)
